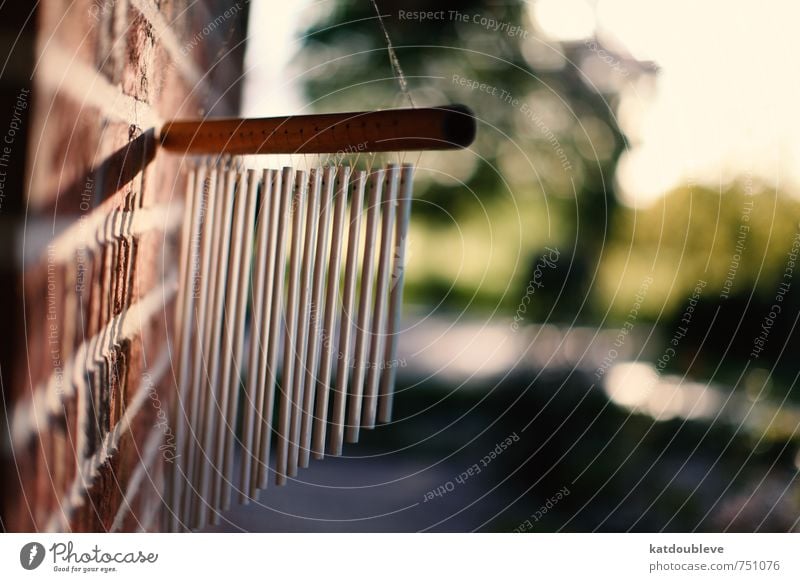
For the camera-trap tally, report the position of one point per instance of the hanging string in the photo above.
(401, 78)
(399, 75)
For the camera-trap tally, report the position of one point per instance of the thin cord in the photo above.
(401, 78)
(399, 75)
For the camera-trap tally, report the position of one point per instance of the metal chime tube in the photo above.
(346, 318)
(364, 307)
(237, 360)
(202, 323)
(301, 346)
(315, 316)
(262, 292)
(386, 392)
(279, 275)
(211, 393)
(374, 364)
(331, 296)
(290, 345)
(183, 327)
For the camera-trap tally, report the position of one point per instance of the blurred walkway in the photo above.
(637, 450)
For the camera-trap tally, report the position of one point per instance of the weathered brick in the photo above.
(89, 160)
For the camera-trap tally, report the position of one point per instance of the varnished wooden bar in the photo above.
(432, 128)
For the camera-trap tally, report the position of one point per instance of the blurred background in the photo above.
(605, 281)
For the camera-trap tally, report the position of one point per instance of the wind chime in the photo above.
(286, 316)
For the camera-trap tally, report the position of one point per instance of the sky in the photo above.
(273, 39)
(723, 105)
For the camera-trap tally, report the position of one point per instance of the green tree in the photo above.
(541, 170)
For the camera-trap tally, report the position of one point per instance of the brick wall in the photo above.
(91, 214)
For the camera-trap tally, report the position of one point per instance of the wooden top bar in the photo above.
(432, 128)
